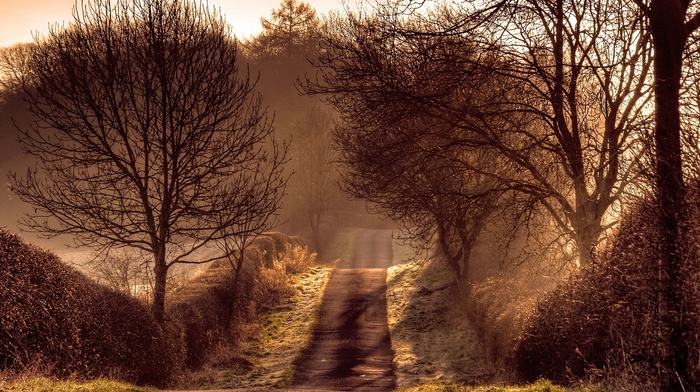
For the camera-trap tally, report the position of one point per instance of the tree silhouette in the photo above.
(315, 182)
(671, 24)
(148, 135)
(553, 92)
(287, 33)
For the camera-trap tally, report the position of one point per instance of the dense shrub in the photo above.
(55, 316)
(200, 308)
(604, 322)
(268, 249)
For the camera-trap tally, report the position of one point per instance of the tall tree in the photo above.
(315, 182)
(288, 32)
(671, 24)
(585, 86)
(281, 53)
(148, 135)
(562, 95)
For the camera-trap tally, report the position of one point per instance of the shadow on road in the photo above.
(351, 348)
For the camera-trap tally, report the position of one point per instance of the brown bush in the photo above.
(54, 315)
(604, 322)
(281, 241)
(71, 326)
(499, 308)
(272, 287)
(202, 309)
(296, 257)
(268, 248)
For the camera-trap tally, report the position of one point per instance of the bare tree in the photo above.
(149, 136)
(550, 89)
(315, 182)
(126, 272)
(671, 24)
(13, 61)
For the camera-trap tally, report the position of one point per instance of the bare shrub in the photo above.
(296, 258)
(268, 248)
(202, 308)
(272, 286)
(215, 313)
(281, 240)
(499, 308)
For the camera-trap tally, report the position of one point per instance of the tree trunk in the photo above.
(453, 260)
(315, 223)
(587, 230)
(237, 269)
(669, 36)
(161, 273)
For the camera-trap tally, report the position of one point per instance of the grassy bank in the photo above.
(540, 386)
(267, 359)
(436, 348)
(432, 339)
(49, 385)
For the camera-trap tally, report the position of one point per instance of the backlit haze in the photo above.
(19, 19)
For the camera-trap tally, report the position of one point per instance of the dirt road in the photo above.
(351, 348)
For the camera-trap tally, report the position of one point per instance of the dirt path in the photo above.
(351, 348)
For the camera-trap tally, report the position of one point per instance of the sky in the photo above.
(20, 18)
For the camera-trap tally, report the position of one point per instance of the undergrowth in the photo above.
(58, 323)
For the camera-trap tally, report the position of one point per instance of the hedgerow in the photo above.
(59, 321)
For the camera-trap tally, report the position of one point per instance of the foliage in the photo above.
(288, 33)
(60, 322)
(499, 308)
(276, 340)
(211, 310)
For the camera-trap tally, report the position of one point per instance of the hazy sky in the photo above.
(19, 18)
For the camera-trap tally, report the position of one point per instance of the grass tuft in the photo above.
(41, 384)
(539, 386)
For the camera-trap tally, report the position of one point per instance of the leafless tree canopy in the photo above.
(149, 134)
(560, 93)
(315, 182)
(554, 96)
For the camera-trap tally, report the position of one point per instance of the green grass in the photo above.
(286, 334)
(540, 386)
(40, 384)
